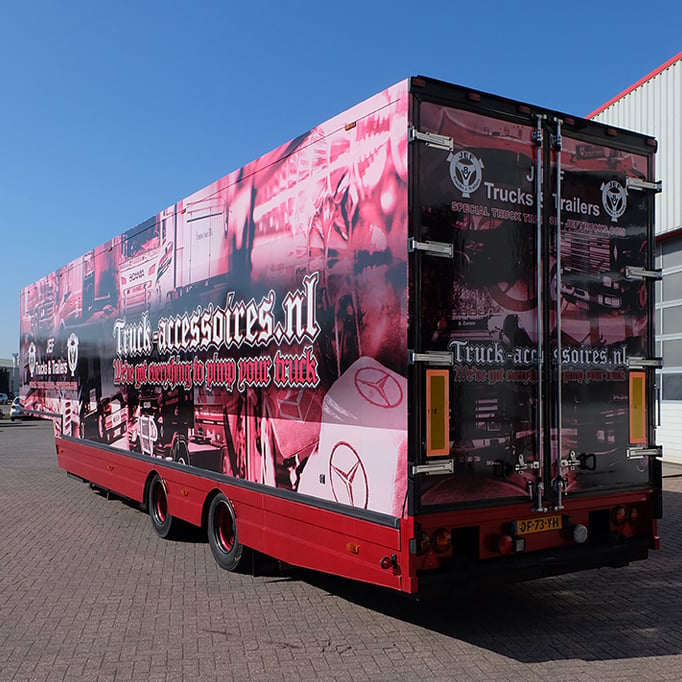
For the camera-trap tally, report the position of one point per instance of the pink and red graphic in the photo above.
(217, 333)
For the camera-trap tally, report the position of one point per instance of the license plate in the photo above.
(538, 524)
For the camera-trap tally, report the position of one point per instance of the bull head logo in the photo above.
(614, 198)
(466, 171)
(72, 353)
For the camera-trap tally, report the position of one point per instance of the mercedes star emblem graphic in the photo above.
(378, 387)
(348, 476)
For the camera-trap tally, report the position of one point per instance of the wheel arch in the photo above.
(210, 496)
(148, 481)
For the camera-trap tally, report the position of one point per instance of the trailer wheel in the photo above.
(157, 504)
(222, 533)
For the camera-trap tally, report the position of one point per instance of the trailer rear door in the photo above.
(495, 366)
(601, 327)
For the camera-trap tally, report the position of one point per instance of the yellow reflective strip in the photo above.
(637, 407)
(437, 412)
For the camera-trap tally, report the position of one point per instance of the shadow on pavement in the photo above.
(630, 612)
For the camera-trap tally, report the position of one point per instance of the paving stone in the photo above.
(89, 592)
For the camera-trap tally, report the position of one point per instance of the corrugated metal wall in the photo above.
(655, 108)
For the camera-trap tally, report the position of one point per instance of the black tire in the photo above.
(222, 533)
(157, 504)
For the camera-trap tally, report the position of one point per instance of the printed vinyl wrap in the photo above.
(257, 328)
(260, 328)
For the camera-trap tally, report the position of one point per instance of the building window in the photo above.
(672, 386)
(669, 317)
(672, 320)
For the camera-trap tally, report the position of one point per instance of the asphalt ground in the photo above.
(89, 592)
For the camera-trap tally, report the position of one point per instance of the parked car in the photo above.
(17, 411)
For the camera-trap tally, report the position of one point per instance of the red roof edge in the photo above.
(627, 91)
(662, 236)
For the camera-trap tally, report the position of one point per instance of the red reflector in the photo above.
(618, 515)
(612, 132)
(418, 82)
(524, 109)
(505, 544)
(474, 96)
(386, 563)
(441, 541)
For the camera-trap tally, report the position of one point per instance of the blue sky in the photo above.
(110, 112)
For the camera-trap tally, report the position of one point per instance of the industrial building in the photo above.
(9, 376)
(653, 106)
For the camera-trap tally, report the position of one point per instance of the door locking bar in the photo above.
(535, 492)
(538, 139)
(560, 489)
(557, 144)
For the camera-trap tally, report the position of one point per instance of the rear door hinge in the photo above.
(440, 249)
(639, 453)
(434, 468)
(432, 357)
(633, 272)
(432, 139)
(643, 185)
(642, 363)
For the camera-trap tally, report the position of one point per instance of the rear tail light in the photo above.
(618, 515)
(626, 519)
(505, 544)
(441, 541)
